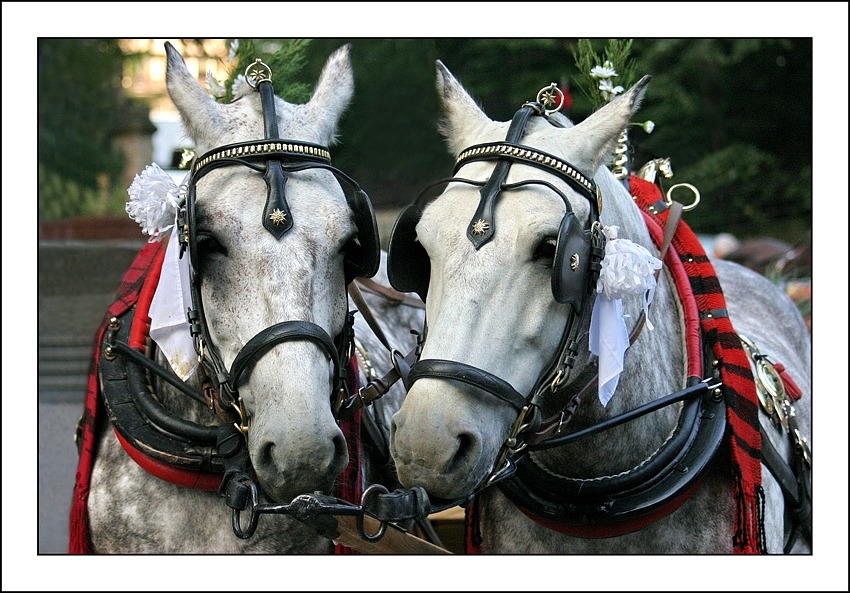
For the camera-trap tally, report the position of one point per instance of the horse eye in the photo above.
(208, 244)
(351, 243)
(545, 251)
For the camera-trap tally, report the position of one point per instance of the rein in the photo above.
(615, 505)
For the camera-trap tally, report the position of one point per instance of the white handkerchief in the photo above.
(609, 339)
(172, 299)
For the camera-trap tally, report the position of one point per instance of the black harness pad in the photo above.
(408, 265)
(363, 256)
(570, 268)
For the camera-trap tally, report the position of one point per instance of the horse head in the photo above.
(273, 241)
(495, 249)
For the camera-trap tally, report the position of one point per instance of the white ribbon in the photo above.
(609, 339)
(628, 269)
(172, 299)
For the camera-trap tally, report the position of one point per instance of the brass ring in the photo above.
(692, 205)
(546, 97)
(258, 72)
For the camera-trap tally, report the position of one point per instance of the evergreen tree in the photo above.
(79, 93)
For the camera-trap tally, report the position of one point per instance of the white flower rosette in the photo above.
(153, 203)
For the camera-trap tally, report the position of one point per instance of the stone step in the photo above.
(62, 383)
(63, 366)
(55, 368)
(70, 352)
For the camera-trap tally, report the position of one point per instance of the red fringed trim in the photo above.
(126, 296)
(349, 484)
(749, 535)
(472, 541)
(735, 372)
(792, 390)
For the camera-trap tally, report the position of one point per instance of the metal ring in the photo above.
(547, 97)
(243, 426)
(361, 529)
(691, 206)
(770, 379)
(556, 382)
(260, 73)
(255, 517)
(394, 361)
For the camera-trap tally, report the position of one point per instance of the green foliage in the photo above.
(735, 117)
(78, 105)
(502, 74)
(61, 197)
(285, 57)
(388, 139)
(614, 54)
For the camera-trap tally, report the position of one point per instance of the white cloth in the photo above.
(609, 339)
(628, 269)
(169, 322)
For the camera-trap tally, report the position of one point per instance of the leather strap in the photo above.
(366, 311)
(395, 296)
(458, 371)
(400, 370)
(378, 387)
(283, 332)
(400, 505)
(493, 187)
(795, 488)
(281, 221)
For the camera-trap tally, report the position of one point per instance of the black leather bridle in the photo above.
(579, 252)
(274, 157)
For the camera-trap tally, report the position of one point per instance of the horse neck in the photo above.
(653, 366)
(178, 403)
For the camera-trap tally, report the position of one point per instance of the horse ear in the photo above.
(198, 109)
(333, 94)
(462, 117)
(599, 132)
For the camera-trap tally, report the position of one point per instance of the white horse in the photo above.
(270, 312)
(499, 377)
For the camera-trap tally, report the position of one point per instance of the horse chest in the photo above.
(133, 512)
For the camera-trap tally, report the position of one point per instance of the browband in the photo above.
(549, 163)
(263, 150)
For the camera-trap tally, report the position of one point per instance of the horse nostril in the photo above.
(265, 456)
(340, 450)
(466, 453)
